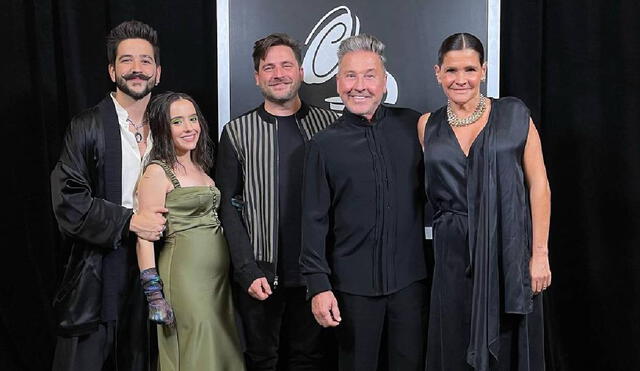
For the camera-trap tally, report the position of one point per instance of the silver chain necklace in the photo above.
(137, 128)
(457, 122)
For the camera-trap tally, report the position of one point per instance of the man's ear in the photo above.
(385, 82)
(112, 72)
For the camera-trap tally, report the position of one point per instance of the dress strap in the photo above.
(167, 170)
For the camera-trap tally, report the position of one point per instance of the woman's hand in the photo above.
(540, 273)
(160, 311)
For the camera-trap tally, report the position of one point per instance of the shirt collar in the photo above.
(266, 116)
(122, 113)
(361, 120)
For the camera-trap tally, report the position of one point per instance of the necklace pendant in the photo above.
(138, 136)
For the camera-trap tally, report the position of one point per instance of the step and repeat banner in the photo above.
(412, 31)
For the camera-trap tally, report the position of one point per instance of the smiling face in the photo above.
(135, 71)
(361, 82)
(460, 75)
(185, 126)
(279, 75)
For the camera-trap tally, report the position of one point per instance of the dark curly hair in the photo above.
(131, 30)
(158, 117)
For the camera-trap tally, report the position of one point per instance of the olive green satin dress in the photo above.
(194, 265)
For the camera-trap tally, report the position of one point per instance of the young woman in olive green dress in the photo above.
(188, 293)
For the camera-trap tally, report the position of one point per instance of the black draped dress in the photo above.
(483, 314)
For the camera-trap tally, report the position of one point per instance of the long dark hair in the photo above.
(158, 117)
(461, 41)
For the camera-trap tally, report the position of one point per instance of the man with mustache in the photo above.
(259, 172)
(362, 224)
(99, 307)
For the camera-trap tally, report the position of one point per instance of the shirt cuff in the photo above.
(249, 274)
(317, 283)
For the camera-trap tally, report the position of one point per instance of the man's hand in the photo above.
(260, 289)
(149, 224)
(325, 309)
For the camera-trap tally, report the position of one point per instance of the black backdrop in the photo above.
(576, 63)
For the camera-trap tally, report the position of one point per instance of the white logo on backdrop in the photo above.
(320, 62)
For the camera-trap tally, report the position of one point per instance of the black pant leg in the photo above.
(305, 338)
(407, 327)
(261, 321)
(84, 353)
(360, 332)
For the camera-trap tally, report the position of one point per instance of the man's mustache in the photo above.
(280, 80)
(136, 75)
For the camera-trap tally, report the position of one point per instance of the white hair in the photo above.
(361, 42)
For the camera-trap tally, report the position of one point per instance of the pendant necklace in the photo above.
(137, 128)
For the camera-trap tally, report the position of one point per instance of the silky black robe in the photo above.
(86, 196)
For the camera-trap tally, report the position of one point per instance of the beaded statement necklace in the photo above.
(456, 122)
(137, 128)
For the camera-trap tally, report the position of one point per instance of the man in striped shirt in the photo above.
(259, 171)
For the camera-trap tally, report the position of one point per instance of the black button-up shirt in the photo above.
(363, 199)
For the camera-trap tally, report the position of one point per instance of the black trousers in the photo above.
(92, 352)
(126, 344)
(281, 325)
(399, 318)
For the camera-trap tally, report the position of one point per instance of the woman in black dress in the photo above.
(486, 179)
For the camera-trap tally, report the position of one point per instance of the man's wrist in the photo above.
(246, 277)
(317, 283)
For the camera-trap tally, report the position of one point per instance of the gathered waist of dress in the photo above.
(183, 223)
(441, 212)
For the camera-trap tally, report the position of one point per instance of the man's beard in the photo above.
(121, 83)
(293, 92)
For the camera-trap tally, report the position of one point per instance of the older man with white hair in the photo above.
(362, 224)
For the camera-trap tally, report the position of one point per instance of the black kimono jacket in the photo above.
(86, 195)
